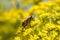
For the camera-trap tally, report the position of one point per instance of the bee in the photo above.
(27, 21)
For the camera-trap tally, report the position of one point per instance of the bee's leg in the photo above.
(23, 29)
(30, 26)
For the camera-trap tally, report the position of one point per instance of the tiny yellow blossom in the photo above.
(27, 31)
(58, 26)
(53, 34)
(36, 7)
(48, 38)
(45, 14)
(55, 0)
(58, 37)
(17, 38)
(37, 20)
(42, 33)
(43, 39)
(37, 11)
(50, 25)
(32, 23)
(31, 37)
(58, 22)
(49, 3)
(26, 14)
(19, 30)
(36, 37)
(42, 5)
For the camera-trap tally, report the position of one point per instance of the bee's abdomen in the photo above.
(24, 24)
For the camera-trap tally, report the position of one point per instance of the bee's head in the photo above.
(32, 18)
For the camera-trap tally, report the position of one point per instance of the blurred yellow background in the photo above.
(46, 15)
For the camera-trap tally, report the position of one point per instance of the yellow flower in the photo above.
(17, 38)
(53, 34)
(31, 37)
(45, 14)
(49, 3)
(42, 33)
(55, 0)
(36, 37)
(43, 38)
(58, 22)
(48, 38)
(12, 14)
(27, 31)
(50, 25)
(19, 30)
(32, 23)
(37, 11)
(26, 14)
(53, 16)
(42, 5)
(39, 33)
(35, 7)
(58, 26)
(7, 16)
(58, 37)
(37, 21)
(19, 11)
